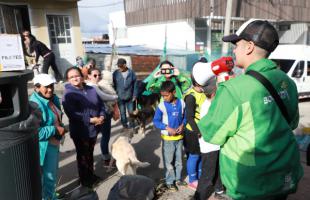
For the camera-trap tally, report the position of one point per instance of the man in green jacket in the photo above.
(259, 157)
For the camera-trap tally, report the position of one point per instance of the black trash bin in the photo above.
(19, 148)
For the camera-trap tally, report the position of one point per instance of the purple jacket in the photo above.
(80, 106)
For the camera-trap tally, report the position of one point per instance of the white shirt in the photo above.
(206, 147)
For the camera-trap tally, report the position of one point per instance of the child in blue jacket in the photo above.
(170, 119)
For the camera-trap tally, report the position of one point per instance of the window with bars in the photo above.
(59, 28)
(2, 29)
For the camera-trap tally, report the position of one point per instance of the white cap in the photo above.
(44, 79)
(202, 72)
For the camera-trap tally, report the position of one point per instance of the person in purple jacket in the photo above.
(85, 111)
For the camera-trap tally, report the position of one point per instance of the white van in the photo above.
(295, 61)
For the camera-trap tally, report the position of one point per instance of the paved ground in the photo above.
(149, 149)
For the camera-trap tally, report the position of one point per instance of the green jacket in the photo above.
(47, 128)
(259, 157)
(181, 82)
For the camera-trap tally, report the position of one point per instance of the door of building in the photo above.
(59, 27)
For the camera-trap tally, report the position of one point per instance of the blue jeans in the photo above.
(106, 132)
(172, 150)
(123, 104)
(49, 172)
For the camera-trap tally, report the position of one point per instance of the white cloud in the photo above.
(94, 15)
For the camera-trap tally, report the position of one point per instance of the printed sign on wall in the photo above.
(11, 53)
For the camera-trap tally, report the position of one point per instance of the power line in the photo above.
(100, 6)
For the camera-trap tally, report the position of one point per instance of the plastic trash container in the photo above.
(19, 148)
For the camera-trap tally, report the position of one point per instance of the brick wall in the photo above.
(144, 65)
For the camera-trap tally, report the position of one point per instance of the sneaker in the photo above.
(220, 196)
(193, 185)
(171, 188)
(181, 183)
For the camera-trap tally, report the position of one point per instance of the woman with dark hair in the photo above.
(50, 132)
(40, 49)
(86, 114)
(94, 76)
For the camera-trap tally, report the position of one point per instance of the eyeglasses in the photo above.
(97, 75)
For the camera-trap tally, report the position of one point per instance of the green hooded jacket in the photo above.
(259, 157)
(181, 82)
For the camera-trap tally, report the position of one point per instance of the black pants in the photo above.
(85, 159)
(210, 179)
(48, 61)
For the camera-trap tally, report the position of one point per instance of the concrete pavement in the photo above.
(148, 149)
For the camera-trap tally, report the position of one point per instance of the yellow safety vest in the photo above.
(200, 97)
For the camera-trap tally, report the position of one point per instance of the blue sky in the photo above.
(94, 15)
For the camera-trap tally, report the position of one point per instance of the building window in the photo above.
(59, 28)
(2, 29)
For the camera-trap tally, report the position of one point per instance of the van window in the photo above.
(299, 69)
(285, 65)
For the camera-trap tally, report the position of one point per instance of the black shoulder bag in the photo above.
(266, 83)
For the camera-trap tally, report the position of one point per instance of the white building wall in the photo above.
(180, 34)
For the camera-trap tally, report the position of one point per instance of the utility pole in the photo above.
(227, 25)
(114, 51)
(209, 38)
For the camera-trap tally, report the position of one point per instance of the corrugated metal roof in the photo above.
(133, 50)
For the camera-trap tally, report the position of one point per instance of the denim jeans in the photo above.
(123, 105)
(172, 151)
(49, 172)
(106, 132)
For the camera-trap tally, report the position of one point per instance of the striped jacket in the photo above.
(171, 115)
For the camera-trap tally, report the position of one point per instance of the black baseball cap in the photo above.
(121, 61)
(261, 32)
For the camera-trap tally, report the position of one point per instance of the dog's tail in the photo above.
(140, 164)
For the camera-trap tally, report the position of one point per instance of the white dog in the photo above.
(124, 154)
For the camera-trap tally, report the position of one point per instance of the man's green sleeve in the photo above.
(222, 119)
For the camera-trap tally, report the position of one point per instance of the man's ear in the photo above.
(250, 47)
